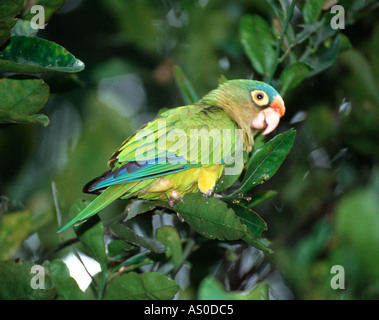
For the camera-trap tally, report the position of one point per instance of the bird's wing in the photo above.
(179, 139)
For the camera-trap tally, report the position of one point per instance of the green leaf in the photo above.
(293, 75)
(130, 236)
(171, 239)
(91, 234)
(20, 99)
(260, 197)
(265, 162)
(136, 261)
(15, 227)
(117, 248)
(211, 218)
(23, 95)
(312, 10)
(255, 225)
(324, 34)
(211, 289)
(257, 41)
(9, 9)
(16, 277)
(308, 30)
(66, 286)
(136, 207)
(226, 180)
(8, 116)
(144, 286)
(324, 57)
(35, 55)
(186, 89)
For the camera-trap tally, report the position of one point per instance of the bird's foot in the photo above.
(174, 197)
(207, 194)
(211, 193)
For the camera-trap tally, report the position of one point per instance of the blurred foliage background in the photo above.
(326, 211)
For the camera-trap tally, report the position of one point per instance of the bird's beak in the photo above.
(269, 118)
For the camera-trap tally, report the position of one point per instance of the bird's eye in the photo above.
(260, 98)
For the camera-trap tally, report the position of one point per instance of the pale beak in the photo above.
(269, 118)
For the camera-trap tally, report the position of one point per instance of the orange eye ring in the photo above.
(260, 98)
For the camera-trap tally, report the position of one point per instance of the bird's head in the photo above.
(254, 105)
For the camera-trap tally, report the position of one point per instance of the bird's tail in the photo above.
(105, 198)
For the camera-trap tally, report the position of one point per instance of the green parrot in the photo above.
(172, 156)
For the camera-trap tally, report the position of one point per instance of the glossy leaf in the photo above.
(20, 99)
(210, 217)
(144, 286)
(267, 159)
(265, 162)
(257, 38)
(293, 75)
(35, 55)
(9, 9)
(255, 225)
(130, 236)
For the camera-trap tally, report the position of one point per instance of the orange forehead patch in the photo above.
(278, 105)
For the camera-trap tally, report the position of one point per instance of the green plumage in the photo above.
(165, 158)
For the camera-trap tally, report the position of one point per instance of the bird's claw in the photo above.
(207, 194)
(174, 197)
(211, 193)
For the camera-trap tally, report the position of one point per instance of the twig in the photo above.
(279, 41)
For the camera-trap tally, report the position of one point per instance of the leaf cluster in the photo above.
(29, 63)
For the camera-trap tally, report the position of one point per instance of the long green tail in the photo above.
(105, 198)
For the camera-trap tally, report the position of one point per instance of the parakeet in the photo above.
(168, 157)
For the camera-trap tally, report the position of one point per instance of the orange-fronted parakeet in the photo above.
(186, 149)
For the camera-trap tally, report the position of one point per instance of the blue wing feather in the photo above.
(134, 171)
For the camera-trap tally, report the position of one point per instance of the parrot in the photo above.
(163, 159)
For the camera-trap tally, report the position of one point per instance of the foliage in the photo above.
(23, 98)
(323, 211)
